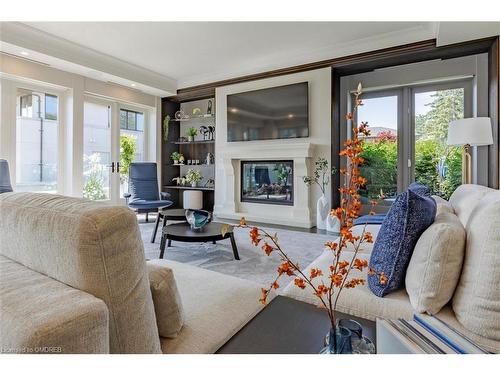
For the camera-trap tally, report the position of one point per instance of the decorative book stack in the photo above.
(425, 334)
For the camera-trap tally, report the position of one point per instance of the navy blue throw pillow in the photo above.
(419, 189)
(409, 216)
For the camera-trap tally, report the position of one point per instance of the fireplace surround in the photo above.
(267, 181)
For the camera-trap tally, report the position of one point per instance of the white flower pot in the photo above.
(322, 211)
(190, 138)
(194, 184)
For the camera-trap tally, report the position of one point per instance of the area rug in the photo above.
(254, 265)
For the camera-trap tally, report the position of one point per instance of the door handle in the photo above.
(112, 166)
(117, 167)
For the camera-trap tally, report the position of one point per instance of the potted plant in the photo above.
(191, 133)
(326, 284)
(193, 176)
(320, 177)
(176, 157)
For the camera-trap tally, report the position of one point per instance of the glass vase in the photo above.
(338, 341)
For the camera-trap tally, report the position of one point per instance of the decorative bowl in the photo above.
(197, 219)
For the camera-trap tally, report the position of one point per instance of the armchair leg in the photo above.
(147, 220)
(153, 236)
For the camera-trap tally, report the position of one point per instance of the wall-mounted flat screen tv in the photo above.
(273, 113)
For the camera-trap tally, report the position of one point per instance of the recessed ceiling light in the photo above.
(24, 53)
(291, 115)
(133, 84)
(234, 110)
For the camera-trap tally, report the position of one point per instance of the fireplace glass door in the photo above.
(267, 181)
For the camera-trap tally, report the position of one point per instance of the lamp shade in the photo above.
(474, 131)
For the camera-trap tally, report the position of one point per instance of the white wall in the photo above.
(71, 88)
(319, 141)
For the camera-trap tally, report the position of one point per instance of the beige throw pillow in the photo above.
(436, 263)
(167, 301)
(442, 205)
(477, 299)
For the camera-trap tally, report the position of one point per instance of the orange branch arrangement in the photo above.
(329, 289)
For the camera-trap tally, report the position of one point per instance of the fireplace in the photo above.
(267, 181)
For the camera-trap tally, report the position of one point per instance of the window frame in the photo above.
(127, 127)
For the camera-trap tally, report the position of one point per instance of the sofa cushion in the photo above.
(90, 246)
(166, 299)
(39, 314)
(358, 301)
(436, 263)
(216, 307)
(477, 299)
(465, 198)
(408, 217)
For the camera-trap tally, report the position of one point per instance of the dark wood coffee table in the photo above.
(212, 232)
(165, 214)
(287, 326)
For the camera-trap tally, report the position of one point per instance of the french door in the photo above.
(114, 136)
(100, 151)
(409, 128)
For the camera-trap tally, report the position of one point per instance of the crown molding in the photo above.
(27, 37)
(371, 43)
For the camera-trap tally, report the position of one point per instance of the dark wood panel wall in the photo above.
(365, 62)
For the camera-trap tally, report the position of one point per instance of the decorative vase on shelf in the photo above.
(190, 138)
(194, 184)
(322, 211)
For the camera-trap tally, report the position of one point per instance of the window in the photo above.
(409, 127)
(131, 120)
(50, 107)
(29, 106)
(36, 142)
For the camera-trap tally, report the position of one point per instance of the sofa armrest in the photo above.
(42, 315)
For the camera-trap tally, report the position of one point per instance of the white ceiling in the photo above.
(197, 52)
(191, 53)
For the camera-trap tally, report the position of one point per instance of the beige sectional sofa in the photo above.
(73, 279)
(478, 304)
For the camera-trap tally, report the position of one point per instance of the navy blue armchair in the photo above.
(5, 185)
(143, 195)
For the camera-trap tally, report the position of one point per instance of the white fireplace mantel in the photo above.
(228, 203)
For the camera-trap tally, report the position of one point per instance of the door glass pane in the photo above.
(437, 165)
(36, 146)
(380, 148)
(131, 146)
(96, 151)
(50, 107)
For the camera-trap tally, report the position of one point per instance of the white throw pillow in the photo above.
(436, 263)
(477, 299)
(166, 300)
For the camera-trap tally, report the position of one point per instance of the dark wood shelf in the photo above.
(188, 188)
(193, 142)
(191, 117)
(190, 165)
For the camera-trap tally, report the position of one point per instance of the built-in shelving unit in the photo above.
(196, 150)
